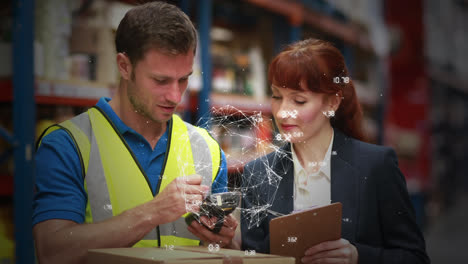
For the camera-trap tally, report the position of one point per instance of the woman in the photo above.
(325, 160)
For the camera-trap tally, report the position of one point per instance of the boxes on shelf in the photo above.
(92, 54)
(84, 39)
(239, 71)
(73, 89)
(52, 31)
(82, 67)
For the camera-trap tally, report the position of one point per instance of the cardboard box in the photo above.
(181, 255)
(84, 39)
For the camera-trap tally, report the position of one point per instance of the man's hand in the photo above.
(223, 238)
(330, 252)
(182, 195)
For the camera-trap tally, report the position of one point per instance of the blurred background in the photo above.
(406, 58)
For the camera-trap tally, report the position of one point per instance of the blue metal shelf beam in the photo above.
(23, 127)
(204, 20)
(295, 34)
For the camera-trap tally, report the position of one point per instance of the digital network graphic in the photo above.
(236, 127)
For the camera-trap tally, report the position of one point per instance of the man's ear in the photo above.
(124, 65)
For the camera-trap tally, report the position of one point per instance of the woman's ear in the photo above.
(334, 101)
(124, 65)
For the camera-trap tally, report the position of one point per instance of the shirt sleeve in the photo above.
(221, 181)
(59, 184)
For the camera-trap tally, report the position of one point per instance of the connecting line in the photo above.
(275, 213)
(238, 130)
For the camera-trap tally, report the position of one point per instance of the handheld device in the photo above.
(217, 205)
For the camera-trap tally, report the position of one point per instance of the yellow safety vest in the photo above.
(115, 182)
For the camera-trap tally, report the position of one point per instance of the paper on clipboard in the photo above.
(291, 235)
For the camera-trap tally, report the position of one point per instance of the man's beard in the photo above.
(137, 105)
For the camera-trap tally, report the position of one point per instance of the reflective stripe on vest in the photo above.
(115, 182)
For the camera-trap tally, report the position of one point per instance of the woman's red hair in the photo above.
(316, 63)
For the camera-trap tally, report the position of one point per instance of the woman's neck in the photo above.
(314, 149)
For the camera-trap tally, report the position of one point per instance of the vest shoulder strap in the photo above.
(79, 130)
(204, 150)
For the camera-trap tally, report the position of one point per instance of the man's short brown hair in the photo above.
(155, 25)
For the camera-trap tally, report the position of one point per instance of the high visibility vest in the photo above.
(115, 182)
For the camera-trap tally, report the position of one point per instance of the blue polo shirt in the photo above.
(59, 183)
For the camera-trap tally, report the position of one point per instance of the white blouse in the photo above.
(312, 189)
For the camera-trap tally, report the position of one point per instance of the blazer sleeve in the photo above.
(254, 225)
(403, 241)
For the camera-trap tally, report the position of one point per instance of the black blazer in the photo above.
(378, 217)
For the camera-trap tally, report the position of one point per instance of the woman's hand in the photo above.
(331, 252)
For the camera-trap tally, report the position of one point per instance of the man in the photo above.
(125, 172)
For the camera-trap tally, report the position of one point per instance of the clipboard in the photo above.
(291, 235)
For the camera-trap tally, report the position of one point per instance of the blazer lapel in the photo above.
(283, 166)
(344, 183)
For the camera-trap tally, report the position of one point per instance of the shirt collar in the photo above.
(104, 105)
(325, 169)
